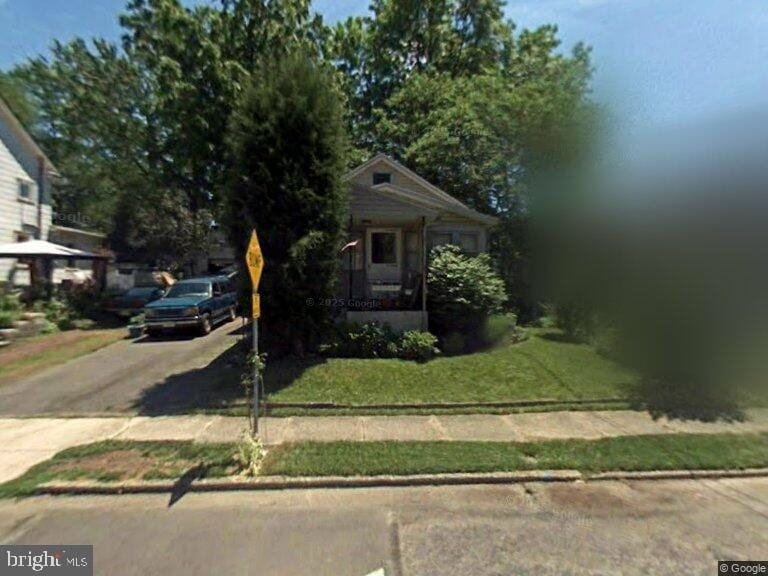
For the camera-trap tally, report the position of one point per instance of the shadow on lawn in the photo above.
(677, 402)
(559, 337)
(217, 386)
(282, 372)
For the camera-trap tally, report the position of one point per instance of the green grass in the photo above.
(628, 453)
(15, 364)
(542, 367)
(115, 460)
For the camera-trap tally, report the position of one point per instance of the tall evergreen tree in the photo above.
(287, 159)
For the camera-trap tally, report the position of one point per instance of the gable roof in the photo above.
(24, 138)
(433, 198)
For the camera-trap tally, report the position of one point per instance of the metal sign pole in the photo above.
(256, 376)
(255, 262)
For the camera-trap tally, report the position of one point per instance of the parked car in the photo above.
(133, 301)
(198, 303)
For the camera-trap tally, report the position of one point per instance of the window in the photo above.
(469, 244)
(381, 178)
(383, 248)
(25, 190)
(27, 233)
(181, 289)
(439, 240)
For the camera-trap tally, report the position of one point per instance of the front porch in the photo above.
(383, 276)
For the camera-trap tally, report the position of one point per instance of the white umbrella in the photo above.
(43, 249)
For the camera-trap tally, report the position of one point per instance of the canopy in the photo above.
(44, 249)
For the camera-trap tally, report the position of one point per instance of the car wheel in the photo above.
(152, 333)
(232, 315)
(205, 325)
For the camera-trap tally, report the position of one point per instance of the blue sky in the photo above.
(659, 62)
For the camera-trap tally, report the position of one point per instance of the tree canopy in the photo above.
(448, 87)
(287, 158)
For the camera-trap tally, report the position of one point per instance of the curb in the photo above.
(268, 406)
(270, 483)
(680, 475)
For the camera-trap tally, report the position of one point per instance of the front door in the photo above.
(383, 254)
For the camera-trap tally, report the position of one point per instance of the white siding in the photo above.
(15, 213)
(366, 203)
(365, 178)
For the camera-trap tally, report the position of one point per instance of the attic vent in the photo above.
(381, 178)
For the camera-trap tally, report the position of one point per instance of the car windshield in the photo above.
(140, 292)
(189, 289)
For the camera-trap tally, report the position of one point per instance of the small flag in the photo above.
(350, 245)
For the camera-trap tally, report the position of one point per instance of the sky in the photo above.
(658, 63)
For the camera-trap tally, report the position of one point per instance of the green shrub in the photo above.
(6, 319)
(453, 343)
(63, 313)
(462, 291)
(416, 345)
(576, 321)
(10, 303)
(49, 328)
(66, 323)
(374, 340)
(497, 329)
(370, 340)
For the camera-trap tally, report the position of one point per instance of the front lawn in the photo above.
(119, 461)
(625, 453)
(115, 460)
(543, 367)
(28, 356)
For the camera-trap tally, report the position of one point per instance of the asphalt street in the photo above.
(168, 375)
(651, 527)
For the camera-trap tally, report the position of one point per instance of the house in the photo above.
(394, 218)
(27, 178)
(75, 270)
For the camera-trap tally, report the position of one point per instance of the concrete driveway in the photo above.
(645, 528)
(145, 376)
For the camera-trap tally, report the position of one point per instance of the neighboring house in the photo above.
(219, 256)
(394, 218)
(26, 178)
(74, 270)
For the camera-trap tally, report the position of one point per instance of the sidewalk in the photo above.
(25, 442)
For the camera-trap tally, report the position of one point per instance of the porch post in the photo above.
(424, 323)
(351, 263)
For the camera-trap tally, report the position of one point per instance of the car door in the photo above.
(218, 301)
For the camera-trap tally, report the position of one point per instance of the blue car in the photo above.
(198, 303)
(133, 301)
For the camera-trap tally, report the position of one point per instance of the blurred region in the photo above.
(659, 257)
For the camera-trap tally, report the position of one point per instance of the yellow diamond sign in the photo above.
(254, 260)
